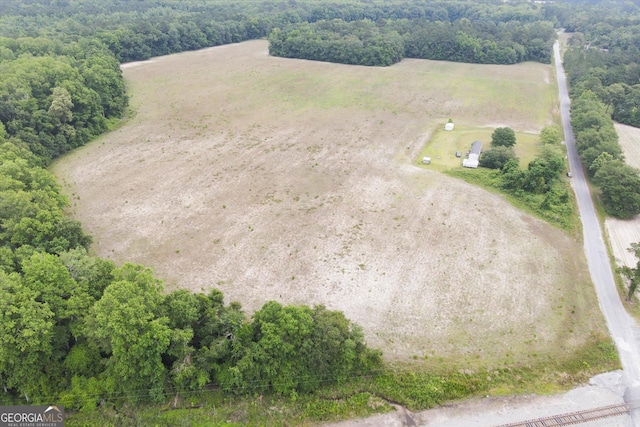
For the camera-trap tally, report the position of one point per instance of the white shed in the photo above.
(426, 160)
(474, 155)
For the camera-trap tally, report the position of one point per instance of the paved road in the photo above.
(622, 327)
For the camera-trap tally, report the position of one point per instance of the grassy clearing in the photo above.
(443, 145)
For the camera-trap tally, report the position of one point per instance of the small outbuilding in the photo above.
(474, 155)
(426, 160)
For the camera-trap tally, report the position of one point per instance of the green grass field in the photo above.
(443, 145)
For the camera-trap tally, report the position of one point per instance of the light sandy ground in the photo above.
(294, 180)
(624, 232)
(603, 390)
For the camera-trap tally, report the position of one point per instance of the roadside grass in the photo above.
(409, 385)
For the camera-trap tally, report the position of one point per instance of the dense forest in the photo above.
(79, 330)
(364, 42)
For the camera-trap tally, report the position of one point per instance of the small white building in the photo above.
(448, 126)
(426, 160)
(474, 155)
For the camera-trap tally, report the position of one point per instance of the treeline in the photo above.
(388, 41)
(485, 32)
(356, 42)
(488, 32)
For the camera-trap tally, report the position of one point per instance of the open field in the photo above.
(293, 180)
(624, 232)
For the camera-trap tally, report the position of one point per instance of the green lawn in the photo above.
(443, 145)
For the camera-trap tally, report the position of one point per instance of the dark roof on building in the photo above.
(476, 147)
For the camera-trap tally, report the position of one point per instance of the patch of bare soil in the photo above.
(288, 180)
(622, 233)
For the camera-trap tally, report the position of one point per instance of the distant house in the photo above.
(426, 160)
(474, 155)
(449, 126)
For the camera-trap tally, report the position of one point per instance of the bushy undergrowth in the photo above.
(411, 386)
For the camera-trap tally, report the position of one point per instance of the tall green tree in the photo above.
(551, 134)
(620, 185)
(26, 340)
(125, 322)
(503, 137)
(497, 157)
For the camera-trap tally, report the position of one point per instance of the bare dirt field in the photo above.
(293, 180)
(624, 232)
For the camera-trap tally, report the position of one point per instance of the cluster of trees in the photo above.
(539, 184)
(357, 42)
(503, 140)
(597, 144)
(77, 330)
(388, 41)
(632, 274)
(56, 96)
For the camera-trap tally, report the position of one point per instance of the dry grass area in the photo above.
(624, 232)
(293, 180)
